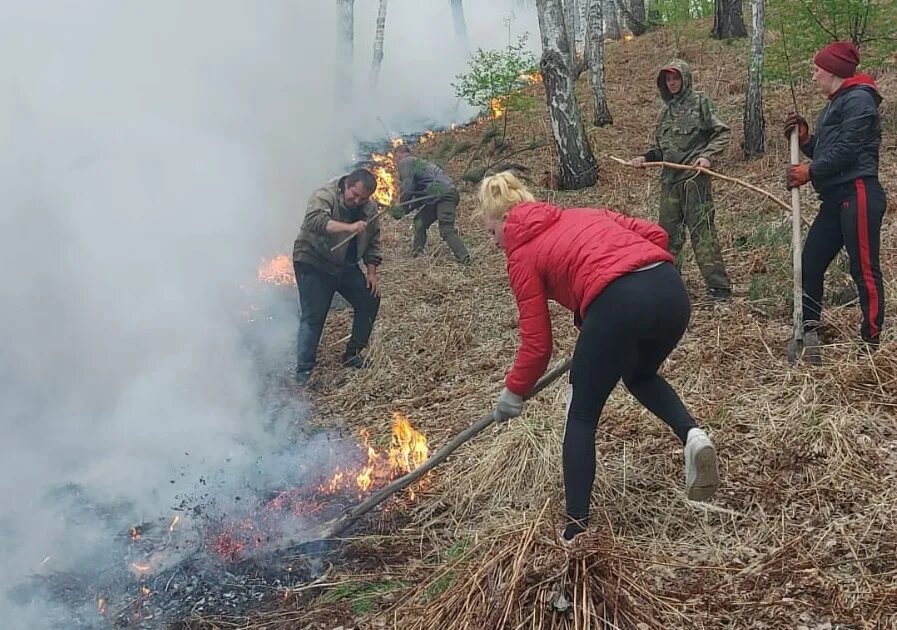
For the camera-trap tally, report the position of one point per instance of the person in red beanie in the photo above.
(631, 307)
(843, 169)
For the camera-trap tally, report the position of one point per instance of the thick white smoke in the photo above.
(152, 153)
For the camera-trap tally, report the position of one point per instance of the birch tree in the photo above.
(582, 25)
(578, 168)
(728, 21)
(634, 15)
(345, 48)
(378, 44)
(595, 57)
(569, 8)
(754, 122)
(460, 24)
(611, 21)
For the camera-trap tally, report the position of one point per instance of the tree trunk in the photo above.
(460, 24)
(611, 21)
(634, 15)
(754, 122)
(378, 44)
(582, 26)
(345, 48)
(578, 168)
(569, 7)
(596, 64)
(728, 22)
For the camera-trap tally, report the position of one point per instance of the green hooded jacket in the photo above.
(689, 126)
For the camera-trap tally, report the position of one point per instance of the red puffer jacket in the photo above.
(568, 256)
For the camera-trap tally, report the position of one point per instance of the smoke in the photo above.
(153, 152)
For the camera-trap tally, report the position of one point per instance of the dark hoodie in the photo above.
(689, 126)
(848, 136)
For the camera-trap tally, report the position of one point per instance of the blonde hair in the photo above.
(501, 192)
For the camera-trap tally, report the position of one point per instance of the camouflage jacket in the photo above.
(421, 178)
(313, 244)
(689, 126)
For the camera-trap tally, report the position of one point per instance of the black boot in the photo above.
(353, 359)
(719, 295)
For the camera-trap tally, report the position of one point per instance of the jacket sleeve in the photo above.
(860, 115)
(406, 180)
(720, 136)
(808, 148)
(534, 352)
(372, 253)
(646, 229)
(318, 212)
(654, 152)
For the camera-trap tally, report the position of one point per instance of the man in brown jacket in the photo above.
(334, 212)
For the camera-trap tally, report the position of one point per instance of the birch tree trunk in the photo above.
(596, 63)
(378, 44)
(728, 21)
(754, 122)
(611, 21)
(569, 7)
(634, 15)
(582, 25)
(345, 48)
(578, 168)
(460, 24)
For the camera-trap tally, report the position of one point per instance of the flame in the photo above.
(146, 590)
(395, 142)
(497, 107)
(531, 78)
(102, 606)
(277, 270)
(409, 447)
(385, 170)
(426, 137)
(141, 568)
(135, 533)
(628, 37)
(174, 522)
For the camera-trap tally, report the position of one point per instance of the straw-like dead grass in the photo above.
(803, 532)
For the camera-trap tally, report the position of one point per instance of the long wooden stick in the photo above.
(707, 171)
(345, 522)
(795, 245)
(381, 213)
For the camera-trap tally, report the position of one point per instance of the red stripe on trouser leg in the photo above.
(866, 257)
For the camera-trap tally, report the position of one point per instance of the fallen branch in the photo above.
(707, 171)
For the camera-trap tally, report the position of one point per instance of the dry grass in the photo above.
(803, 532)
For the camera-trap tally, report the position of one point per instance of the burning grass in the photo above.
(804, 529)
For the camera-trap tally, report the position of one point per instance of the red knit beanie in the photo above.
(839, 58)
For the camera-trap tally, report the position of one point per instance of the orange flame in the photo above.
(385, 171)
(628, 37)
(102, 607)
(426, 137)
(498, 108)
(531, 78)
(174, 522)
(279, 271)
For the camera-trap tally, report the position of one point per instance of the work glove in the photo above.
(803, 129)
(509, 405)
(396, 212)
(798, 175)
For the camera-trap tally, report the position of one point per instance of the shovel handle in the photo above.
(796, 245)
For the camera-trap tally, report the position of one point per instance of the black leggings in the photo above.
(628, 331)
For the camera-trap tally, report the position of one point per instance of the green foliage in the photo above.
(496, 74)
(362, 595)
(798, 28)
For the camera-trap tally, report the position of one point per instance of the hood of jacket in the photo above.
(684, 70)
(859, 81)
(526, 221)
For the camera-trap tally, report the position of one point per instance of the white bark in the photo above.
(345, 48)
(754, 122)
(378, 44)
(569, 7)
(460, 24)
(582, 25)
(611, 20)
(727, 20)
(578, 168)
(596, 63)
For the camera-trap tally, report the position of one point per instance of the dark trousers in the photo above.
(850, 217)
(316, 290)
(444, 212)
(628, 332)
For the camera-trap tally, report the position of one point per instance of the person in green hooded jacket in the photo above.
(689, 131)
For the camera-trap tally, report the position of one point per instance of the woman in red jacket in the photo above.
(629, 302)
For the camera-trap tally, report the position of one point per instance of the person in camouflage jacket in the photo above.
(689, 131)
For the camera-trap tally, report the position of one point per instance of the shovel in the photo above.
(802, 342)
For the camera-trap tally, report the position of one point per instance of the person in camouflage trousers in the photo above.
(419, 178)
(689, 131)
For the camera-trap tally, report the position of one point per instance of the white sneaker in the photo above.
(701, 474)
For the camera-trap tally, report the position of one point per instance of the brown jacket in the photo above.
(313, 243)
